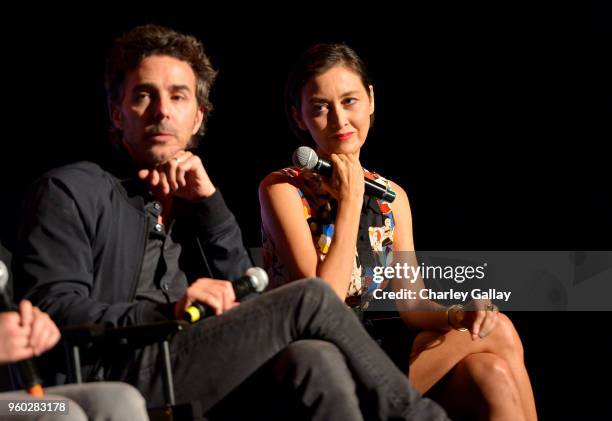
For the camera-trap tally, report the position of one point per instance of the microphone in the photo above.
(255, 280)
(27, 371)
(306, 158)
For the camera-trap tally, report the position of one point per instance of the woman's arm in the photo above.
(283, 219)
(427, 314)
(419, 314)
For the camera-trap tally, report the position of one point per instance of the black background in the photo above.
(495, 119)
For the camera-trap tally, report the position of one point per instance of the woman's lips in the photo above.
(344, 136)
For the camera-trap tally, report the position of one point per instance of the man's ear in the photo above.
(197, 123)
(116, 116)
(298, 119)
(371, 88)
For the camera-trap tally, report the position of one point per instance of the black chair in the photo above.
(92, 337)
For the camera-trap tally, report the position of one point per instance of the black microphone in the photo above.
(306, 158)
(255, 280)
(28, 375)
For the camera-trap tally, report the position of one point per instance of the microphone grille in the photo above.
(3, 276)
(259, 278)
(305, 158)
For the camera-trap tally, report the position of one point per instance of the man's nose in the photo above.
(162, 108)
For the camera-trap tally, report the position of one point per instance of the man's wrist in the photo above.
(207, 192)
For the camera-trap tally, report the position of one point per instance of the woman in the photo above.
(317, 227)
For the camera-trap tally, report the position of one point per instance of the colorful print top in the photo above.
(374, 240)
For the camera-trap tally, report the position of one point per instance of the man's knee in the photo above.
(314, 353)
(111, 400)
(312, 286)
(131, 399)
(317, 361)
(318, 291)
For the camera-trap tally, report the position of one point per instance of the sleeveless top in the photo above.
(374, 239)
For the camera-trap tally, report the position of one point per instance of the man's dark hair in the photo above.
(153, 40)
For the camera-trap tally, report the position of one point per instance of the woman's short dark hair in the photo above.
(314, 61)
(153, 40)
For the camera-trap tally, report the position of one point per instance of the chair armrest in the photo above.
(108, 338)
(88, 335)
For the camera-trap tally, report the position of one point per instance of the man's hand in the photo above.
(219, 295)
(26, 333)
(183, 176)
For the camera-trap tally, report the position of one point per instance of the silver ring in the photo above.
(492, 307)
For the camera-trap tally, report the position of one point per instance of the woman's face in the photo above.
(336, 109)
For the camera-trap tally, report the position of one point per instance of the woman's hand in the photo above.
(479, 317)
(346, 184)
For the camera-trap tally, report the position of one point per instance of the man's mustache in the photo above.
(159, 128)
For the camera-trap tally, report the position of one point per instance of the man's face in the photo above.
(159, 112)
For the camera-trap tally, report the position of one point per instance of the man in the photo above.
(143, 240)
(29, 332)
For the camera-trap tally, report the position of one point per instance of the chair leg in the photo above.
(76, 364)
(167, 374)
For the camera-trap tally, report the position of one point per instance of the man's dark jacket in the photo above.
(82, 243)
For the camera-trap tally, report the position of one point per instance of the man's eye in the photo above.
(318, 108)
(350, 101)
(141, 96)
(178, 97)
